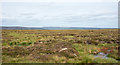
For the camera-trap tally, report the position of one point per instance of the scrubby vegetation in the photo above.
(60, 46)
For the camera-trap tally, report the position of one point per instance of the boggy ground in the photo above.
(59, 46)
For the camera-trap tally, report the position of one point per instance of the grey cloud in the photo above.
(93, 17)
(28, 13)
(67, 14)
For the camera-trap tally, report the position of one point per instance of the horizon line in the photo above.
(61, 26)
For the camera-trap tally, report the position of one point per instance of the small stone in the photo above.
(63, 49)
(75, 55)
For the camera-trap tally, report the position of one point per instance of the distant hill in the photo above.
(48, 28)
(62, 28)
(20, 28)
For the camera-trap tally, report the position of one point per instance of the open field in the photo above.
(60, 46)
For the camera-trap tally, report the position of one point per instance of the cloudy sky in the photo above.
(60, 13)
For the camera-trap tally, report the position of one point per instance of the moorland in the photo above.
(60, 46)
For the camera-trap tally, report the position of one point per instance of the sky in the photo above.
(60, 13)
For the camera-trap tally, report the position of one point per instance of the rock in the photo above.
(75, 54)
(69, 52)
(63, 49)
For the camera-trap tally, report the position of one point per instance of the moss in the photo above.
(11, 43)
(29, 43)
(23, 43)
(108, 60)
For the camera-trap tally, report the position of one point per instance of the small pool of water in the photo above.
(101, 55)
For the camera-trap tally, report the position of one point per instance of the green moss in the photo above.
(108, 60)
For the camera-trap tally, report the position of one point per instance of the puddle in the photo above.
(103, 55)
